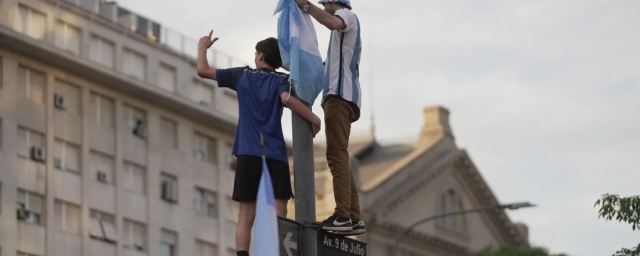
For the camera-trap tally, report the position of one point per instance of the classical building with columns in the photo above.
(403, 182)
(110, 145)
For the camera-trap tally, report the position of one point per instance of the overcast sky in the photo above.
(545, 94)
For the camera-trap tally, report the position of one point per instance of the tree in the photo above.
(515, 251)
(623, 209)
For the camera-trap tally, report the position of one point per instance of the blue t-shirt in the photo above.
(260, 110)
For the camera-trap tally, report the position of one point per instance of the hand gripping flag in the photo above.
(299, 50)
(266, 217)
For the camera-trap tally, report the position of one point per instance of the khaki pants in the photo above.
(338, 114)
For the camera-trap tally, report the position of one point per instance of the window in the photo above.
(71, 97)
(102, 109)
(33, 84)
(233, 209)
(205, 148)
(66, 216)
(202, 93)
(68, 37)
(231, 159)
(169, 132)
(30, 207)
(102, 51)
(103, 166)
(321, 184)
(135, 178)
(450, 202)
(135, 64)
(168, 243)
(169, 188)
(1, 70)
(206, 203)
(102, 227)
(1, 129)
(205, 249)
(320, 166)
(29, 141)
(32, 22)
(167, 77)
(66, 156)
(134, 235)
(137, 119)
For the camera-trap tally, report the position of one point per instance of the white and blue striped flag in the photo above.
(299, 50)
(266, 217)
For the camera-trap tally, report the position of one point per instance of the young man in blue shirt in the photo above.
(262, 94)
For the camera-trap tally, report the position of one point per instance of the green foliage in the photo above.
(622, 209)
(515, 251)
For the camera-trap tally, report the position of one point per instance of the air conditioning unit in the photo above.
(58, 101)
(57, 162)
(102, 177)
(232, 161)
(37, 154)
(23, 214)
(140, 130)
(170, 191)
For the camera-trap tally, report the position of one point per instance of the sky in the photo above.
(544, 95)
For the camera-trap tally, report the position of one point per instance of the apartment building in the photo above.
(110, 145)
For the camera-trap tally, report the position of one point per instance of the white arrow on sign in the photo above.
(288, 245)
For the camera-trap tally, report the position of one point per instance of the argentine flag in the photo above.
(266, 217)
(299, 50)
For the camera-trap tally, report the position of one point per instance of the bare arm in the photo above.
(330, 21)
(203, 68)
(299, 108)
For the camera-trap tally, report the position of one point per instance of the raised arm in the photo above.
(330, 21)
(299, 108)
(203, 68)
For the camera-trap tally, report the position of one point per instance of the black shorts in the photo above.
(247, 180)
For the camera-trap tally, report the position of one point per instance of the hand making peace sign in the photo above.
(206, 42)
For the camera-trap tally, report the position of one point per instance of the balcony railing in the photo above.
(151, 30)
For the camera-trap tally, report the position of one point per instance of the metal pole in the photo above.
(304, 181)
(396, 245)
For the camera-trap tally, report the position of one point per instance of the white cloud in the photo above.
(543, 94)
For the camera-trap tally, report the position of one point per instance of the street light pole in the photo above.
(513, 206)
(304, 180)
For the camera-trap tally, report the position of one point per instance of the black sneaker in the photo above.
(357, 229)
(335, 223)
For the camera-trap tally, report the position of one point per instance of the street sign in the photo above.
(334, 245)
(289, 237)
(329, 244)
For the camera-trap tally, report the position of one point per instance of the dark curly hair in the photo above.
(271, 51)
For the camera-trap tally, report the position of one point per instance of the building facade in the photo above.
(402, 182)
(110, 145)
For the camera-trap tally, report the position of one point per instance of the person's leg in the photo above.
(355, 200)
(358, 226)
(281, 207)
(246, 218)
(245, 190)
(281, 181)
(337, 118)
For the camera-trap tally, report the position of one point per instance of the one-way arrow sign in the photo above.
(288, 244)
(289, 237)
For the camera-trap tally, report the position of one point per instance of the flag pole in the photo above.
(305, 199)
